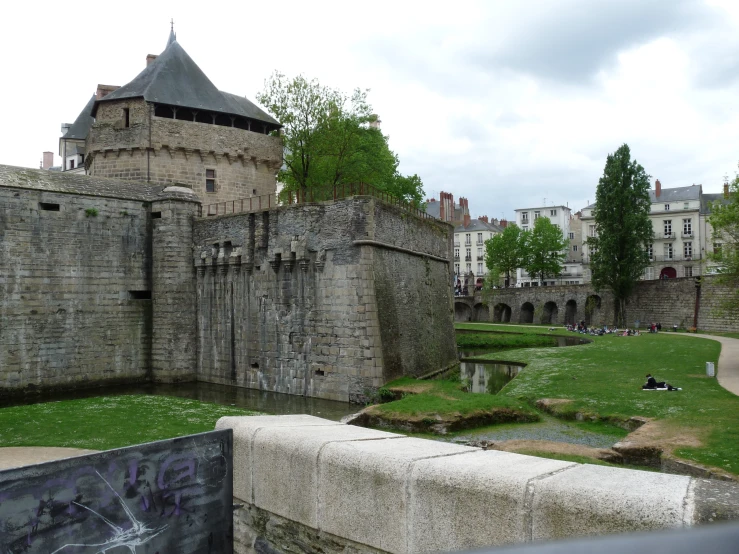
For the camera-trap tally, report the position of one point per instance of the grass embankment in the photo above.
(604, 379)
(504, 340)
(102, 423)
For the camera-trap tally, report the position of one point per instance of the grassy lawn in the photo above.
(503, 340)
(603, 379)
(106, 422)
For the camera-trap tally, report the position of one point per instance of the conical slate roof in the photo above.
(174, 78)
(82, 124)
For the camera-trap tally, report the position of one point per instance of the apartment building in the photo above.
(469, 248)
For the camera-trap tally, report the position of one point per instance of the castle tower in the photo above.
(170, 125)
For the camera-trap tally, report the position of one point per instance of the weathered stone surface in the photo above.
(345, 320)
(244, 429)
(479, 499)
(287, 468)
(363, 488)
(596, 500)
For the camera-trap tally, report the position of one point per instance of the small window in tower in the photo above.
(126, 117)
(71, 164)
(210, 180)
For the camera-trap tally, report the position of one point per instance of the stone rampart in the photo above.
(329, 300)
(76, 261)
(308, 484)
(670, 302)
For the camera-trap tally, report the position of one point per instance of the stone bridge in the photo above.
(682, 302)
(542, 305)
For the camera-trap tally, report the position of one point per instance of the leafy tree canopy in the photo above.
(328, 140)
(545, 249)
(618, 254)
(724, 219)
(505, 252)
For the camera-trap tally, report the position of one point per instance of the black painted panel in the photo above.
(172, 496)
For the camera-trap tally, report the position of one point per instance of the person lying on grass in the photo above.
(653, 384)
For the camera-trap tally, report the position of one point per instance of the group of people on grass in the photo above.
(583, 329)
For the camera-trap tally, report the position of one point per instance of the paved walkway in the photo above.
(727, 371)
(18, 456)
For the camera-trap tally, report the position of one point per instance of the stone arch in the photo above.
(549, 313)
(570, 312)
(502, 313)
(527, 313)
(462, 312)
(668, 273)
(481, 312)
(592, 309)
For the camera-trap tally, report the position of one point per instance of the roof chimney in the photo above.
(484, 218)
(48, 160)
(150, 58)
(466, 220)
(104, 90)
(504, 223)
(657, 188)
(726, 190)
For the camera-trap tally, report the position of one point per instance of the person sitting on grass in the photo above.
(653, 384)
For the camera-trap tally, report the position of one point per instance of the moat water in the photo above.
(491, 377)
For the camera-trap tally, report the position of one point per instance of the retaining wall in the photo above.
(329, 300)
(308, 484)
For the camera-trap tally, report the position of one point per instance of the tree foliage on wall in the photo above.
(545, 250)
(618, 253)
(724, 219)
(329, 140)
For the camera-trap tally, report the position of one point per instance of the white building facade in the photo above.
(469, 250)
(572, 273)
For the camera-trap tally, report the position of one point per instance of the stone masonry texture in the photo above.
(168, 151)
(314, 300)
(670, 302)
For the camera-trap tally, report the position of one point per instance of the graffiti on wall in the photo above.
(167, 496)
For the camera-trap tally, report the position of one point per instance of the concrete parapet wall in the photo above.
(312, 484)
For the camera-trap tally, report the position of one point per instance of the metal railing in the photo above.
(297, 197)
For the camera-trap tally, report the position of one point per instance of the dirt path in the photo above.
(728, 361)
(18, 456)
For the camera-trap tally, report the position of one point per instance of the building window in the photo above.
(468, 238)
(686, 206)
(668, 251)
(456, 269)
(648, 273)
(668, 228)
(126, 118)
(210, 180)
(469, 268)
(667, 207)
(552, 213)
(687, 226)
(717, 249)
(591, 230)
(688, 270)
(688, 250)
(71, 164)
(574, 247)
(479, 238)
(572, 236)
(456, 253)
(479, 269)
(525, 228)
(650, 251)
(468, 257)
(479, 253)
(524, 218)
(537, 215)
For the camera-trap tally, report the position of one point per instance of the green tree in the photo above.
(545, 250)
(618, 253)
(505, 252)
(329, 140)
(724, 219)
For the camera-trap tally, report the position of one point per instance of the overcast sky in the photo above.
(506, 103)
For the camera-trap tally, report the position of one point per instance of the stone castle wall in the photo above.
(66, 313)
(88, 268)
(167, 151)
(669, 302)
(314, 299)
